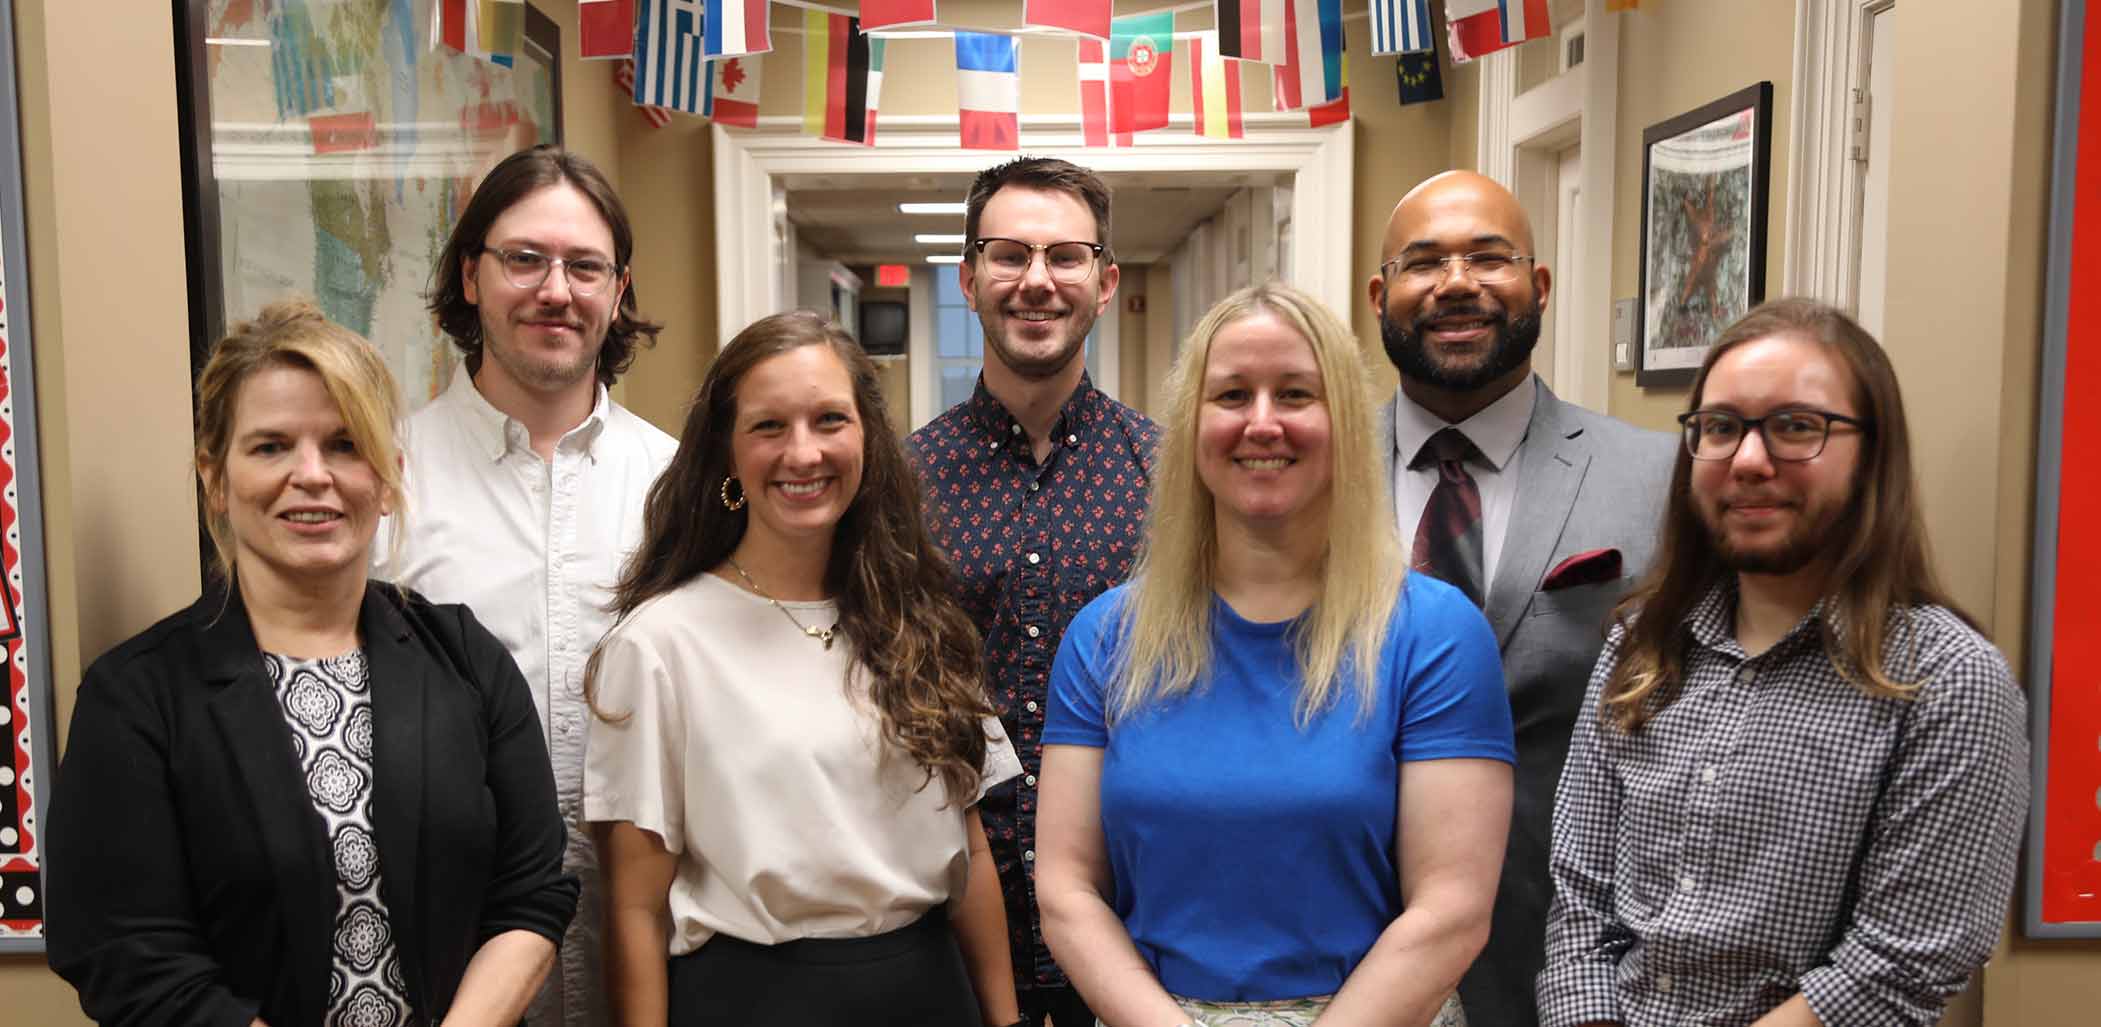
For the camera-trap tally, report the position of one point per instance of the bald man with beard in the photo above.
(1541, 511)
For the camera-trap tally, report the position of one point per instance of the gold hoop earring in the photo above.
(727, 502)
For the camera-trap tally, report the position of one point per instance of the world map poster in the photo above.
(346, 137)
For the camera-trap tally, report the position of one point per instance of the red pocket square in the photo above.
(1588, 568)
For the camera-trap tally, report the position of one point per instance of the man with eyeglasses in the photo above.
(1035, 488)
(1541, 511)
(525, 480)
(1797, 790)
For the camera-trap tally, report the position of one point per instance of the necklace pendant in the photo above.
(821, 634)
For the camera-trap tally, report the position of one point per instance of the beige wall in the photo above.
(103, 178)
(1674, 57)
(1968, 217)
(118, 498)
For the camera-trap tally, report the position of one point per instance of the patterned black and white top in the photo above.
(1776, 831)
(328, 704)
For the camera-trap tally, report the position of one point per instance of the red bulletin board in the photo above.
(2064, 869)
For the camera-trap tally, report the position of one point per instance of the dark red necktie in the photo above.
(1448, 538)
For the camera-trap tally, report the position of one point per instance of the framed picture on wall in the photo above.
(1704, 179)
(329, 145)
(2063, 881)
(27, 755)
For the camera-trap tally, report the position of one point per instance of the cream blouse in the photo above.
(765, 774)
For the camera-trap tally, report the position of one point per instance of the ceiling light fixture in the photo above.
(944, 258)
(933, 208)
(936, 239)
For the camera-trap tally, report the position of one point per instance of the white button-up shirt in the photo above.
(1496, 430)
(533, 547)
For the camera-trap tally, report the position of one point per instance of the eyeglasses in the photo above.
(1485, 268)
(1069, 263)
(1791, 435)
(526, 269)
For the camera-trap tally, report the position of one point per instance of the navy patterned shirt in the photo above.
(1030, 543)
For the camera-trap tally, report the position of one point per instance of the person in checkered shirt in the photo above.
(1798, 793)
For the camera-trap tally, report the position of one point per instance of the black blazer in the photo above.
(190, 879)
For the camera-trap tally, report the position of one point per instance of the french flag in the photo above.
(1478, 27)
(988, 90)
(736, 27)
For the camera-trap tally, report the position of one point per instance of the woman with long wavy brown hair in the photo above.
(791, 730)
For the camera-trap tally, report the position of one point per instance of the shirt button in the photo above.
(1030, 706)
(1014, 429)
(1072, 440)
(995, 444)
(1746, 676)
(1664, 982)
(1029, 855)
(1687, 884)
(1035, 632)
(1707, 775)
(1034, 485)
(1029, 780)
(1034, 558)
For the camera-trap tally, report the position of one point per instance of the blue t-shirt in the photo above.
(1254, 860)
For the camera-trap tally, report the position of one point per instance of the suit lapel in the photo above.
(1547, 480)
(260, 744)
(400, 676)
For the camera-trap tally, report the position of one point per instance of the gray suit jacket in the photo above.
(1586, 482)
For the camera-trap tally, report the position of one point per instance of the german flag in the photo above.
(835, 79)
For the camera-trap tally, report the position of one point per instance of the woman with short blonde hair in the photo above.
(1274, 760)
(310, 798)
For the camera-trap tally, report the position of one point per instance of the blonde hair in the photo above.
(1167, 623)
(294, 333)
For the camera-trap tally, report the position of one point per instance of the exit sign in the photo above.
(892, 275)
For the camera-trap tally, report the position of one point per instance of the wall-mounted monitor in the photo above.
(885, 326)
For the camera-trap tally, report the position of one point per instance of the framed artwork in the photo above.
(329, 146)
(2062, 886)
(1704, 179)
(27, 756)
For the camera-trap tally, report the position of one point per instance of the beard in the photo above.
(1810, 538)
(1034, 366)
(1515, 338)
(544, 372)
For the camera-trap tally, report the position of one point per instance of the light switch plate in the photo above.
(1623, 334)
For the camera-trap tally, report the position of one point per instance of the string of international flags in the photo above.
(704, 57)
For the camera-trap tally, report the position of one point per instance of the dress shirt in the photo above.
(1776, 830)
(533, 547)
(1496, 430)
(1030, 544)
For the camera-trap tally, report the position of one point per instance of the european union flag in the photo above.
(1418, 77)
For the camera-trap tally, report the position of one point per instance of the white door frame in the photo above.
(746, 163)
(1580, 105)
(1821, 251)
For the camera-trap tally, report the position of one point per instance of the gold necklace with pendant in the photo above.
(824, 635)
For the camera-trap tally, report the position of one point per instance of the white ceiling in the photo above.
(853, 219)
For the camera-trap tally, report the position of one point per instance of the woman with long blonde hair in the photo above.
(1277, 769)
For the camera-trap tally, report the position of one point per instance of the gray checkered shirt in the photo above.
(1774, 830)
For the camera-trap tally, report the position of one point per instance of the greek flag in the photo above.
(1400, 26)
(669, 71)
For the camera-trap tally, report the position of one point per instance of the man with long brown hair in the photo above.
(1796, 795)
(525, 479)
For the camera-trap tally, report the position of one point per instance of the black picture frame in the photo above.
(1705, 178)
(403, 147)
